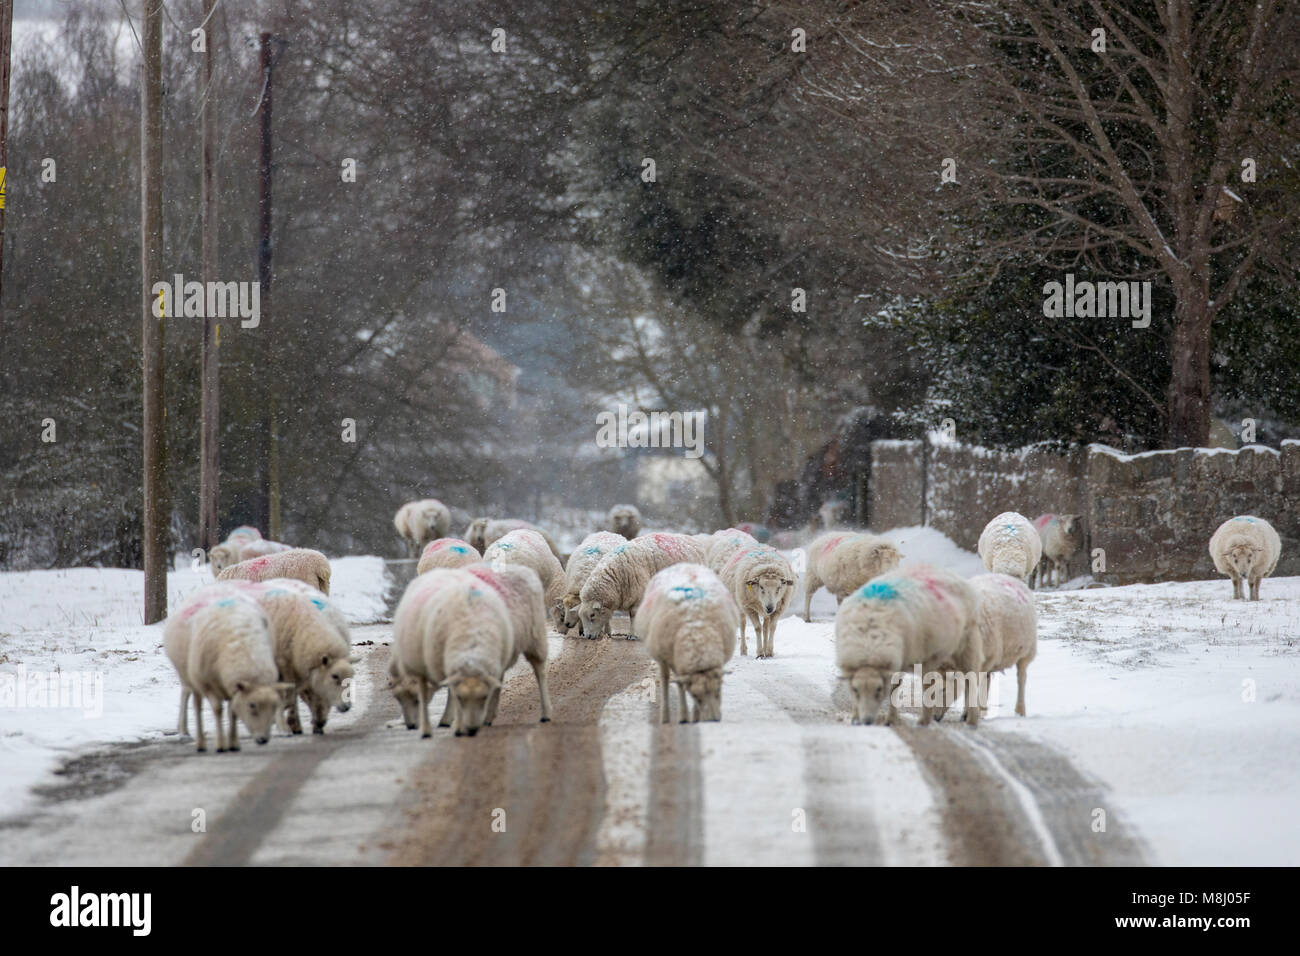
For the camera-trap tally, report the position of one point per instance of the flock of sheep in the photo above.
(265, 634)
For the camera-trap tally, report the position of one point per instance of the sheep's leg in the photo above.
(543, 690)
(425, 729)
(682, 707)
(769, 636)
(664, 710)
(1254, 589)
(448, 711)
(232, 736)
(198, 722)
(293, 719)
(1022, 672)
(221, 730)
(944, 702)
(891, 708)
(1236, 587)
(744, 651)
(494, 701)
(810, 584)
(182, 722)
(972, 714)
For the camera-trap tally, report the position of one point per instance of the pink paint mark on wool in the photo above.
(1042, 521)
(490, 578)
(832, 543)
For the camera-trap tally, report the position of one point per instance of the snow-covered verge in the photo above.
(78, 666)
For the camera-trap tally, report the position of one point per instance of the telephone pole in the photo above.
(6, 39)
(209, 363)
(154, 545)
(272, 473)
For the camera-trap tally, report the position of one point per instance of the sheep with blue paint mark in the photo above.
(619, 581)
(688, 620)
(581, 563)
(447, 553)
(1010, 544)
(762, 582)
(1247, 549)
(724, 545)
(843, 561)
(529, 549)
(482, 532)
(918, 615)
(178, 631)
(519, 588)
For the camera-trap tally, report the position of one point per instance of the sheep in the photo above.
(1010, 544)
(762, 582)
(406, 689)
(688, 620)
(916, 615)
(844, 561)
(260, 548)
(483, 531)
(312, 648)
(724, 544)
(302, 564)
(519, 588)
(624, 520)
(177, 631)
(419, 522)
(451, 630)
(230, 657)
(584, 559)
(1062, 536)
(619, 580)
(1008, 627)
(447, 553)
(1247, 548)
(528, 548)
(225, 554)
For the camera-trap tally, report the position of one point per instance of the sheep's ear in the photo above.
(240, 686)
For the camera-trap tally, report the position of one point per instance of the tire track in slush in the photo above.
(541, 785)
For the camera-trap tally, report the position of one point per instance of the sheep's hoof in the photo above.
(318, 728)
(295, 730)
(201, 749)
(233, 749)
(545, 720)
(427, 733)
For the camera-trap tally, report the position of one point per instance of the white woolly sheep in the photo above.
(688, 621)
(230, 657)
(452, 630)
(225, 554)
(419, 522)
(483, 531)
(519, 588)
(724, 544)
(1062, 537)
(178, 628)
(843, 561)
(1245, 548)
(312, 648)
(619, 580)
(624, 520)
(581, 563)
(260, 548)
(916, 615)
(301, 564)
(1009, 544)
(447, 553)
(529, 549)
(762, 582)
(1008, 628)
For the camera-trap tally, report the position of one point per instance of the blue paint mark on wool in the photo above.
(459, 550)
(317, 602)
(881, 590)
(686, 592)
(226, 602)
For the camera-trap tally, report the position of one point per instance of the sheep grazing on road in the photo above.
(227, 552)
(1062, 537)
(419, 522)
(529, 549)
(1008, 627)
(762, 582)
(688, 621)
(584, 559)
(1010, 544)
(916, 615)
(447, 553)
(724, 545)
(619, 580)
(624, 520)
(452, 630)
(177, 630)
(229, 657)
(312, 649)
(1245, 548)
(519, 588)
(483, 531)
(301, 564)
(843, 561)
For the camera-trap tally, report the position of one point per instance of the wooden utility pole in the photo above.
(6, 38)
(209, 363)
(272, 462)
(151, 236)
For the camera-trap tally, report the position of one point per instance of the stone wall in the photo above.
(897, 484)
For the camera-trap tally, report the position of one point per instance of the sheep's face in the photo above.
(222, 557)
(705, 688)
(407, 692)
(1243, 559)
(868, 686)
(473, 692)
(475, 533)
(331, 686)
(569, 610)
(1072, 531)
(257, 706)
(772, 588)
(595, 618)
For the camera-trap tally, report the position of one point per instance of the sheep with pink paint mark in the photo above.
(918, 615)
(762, 582)
(302, 564)
(581, 563)
(1010, 544)
(1008, 628)
(843, 561)
(483, 531)
(447, 553)
(724, 545)
(226, 553)
(1062, 538)
(618, 582)
(688, 621)
(519, 588)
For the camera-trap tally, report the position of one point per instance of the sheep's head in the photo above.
(868, 686)
(594, 618)
(476, 532)
(221, 557)
(331, 686)
(1243, 558)
(473, 693)
(407, 692)
(705, 688)
(1072, 530)
(568, 610)
(772, 588)
(257, 706)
